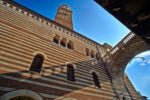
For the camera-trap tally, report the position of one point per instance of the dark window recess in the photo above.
(55, 41)
(70, 73)
(96, 81)
(92, 56)
(69, 46)
(124, 98)
(62, 44)
(36, 64)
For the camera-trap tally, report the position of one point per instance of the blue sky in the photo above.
(89, 18)
(138, 71)
(93, 21)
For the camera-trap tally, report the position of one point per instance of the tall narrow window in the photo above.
(37, 63)
(95, 79)
(70, 73)
(92, 54)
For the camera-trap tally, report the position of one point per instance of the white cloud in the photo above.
(139, 60)
(147, 53)
(142, 64)
(148, 61)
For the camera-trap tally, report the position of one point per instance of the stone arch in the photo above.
(22, 92)
(91, 71)
(127, 49)
(70, 63)
(40, 53)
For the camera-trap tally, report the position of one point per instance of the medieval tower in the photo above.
(42, 59)
(64, 16)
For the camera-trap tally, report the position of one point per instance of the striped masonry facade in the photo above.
(22, 37)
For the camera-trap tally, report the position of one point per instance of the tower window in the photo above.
(37, 63)
(95, 79)
(70, 73)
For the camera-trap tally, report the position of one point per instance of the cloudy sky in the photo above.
(93, 21)
(138, 71)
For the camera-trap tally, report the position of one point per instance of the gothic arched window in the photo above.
(37, 63)
(95, 79)
(70, 73)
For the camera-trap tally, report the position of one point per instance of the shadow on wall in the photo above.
(54, 82)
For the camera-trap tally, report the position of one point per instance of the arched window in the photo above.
(56, 39)
(37, 63)
(92, 54)
(70, 45)
(21, 98)
(95, 79)
(70, 73)
(63, 42)
(87, 52)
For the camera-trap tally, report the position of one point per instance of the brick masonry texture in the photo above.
(24, 34)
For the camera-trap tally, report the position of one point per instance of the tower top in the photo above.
(64, 16)
(64, 6)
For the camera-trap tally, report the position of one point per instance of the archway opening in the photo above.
(138, 72)
(21, 98)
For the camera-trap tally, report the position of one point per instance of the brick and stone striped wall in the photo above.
(22, 36)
